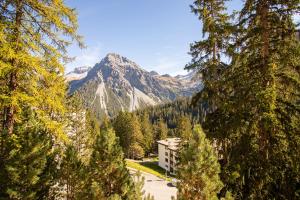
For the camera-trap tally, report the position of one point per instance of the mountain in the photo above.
(78, 73)
(117, 83)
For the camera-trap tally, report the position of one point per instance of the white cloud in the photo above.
(86, 57)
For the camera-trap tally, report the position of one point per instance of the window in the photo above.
(166, 160)
(171, 170)
(166, 153)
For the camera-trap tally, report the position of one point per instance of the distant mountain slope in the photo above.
(78, 73)
(117, 83)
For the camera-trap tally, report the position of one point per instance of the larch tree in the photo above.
(161, 130)
(184, 128)
(34, 37)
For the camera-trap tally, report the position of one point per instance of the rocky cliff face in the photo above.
(117, 83)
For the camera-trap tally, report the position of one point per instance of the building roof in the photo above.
(171, 143)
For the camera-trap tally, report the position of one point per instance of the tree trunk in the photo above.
(12, 85)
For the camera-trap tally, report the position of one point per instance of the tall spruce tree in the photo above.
(256, 121)
(266, 82)
(208, 57)
(198, 169)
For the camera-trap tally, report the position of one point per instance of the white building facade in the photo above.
(168, 154)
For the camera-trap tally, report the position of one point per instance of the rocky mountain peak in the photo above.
(115, 60)
(117, 83)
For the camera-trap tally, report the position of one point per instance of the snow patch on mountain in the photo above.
(77, 74)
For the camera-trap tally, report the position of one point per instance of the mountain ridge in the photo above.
(117, 83)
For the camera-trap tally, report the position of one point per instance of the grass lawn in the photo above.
(150, 167)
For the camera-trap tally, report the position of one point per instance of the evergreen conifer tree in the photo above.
(128, 129)
(266, 60)
(72, 175)
(198, 169)
(27, 165)
(109, 178)
(147, 132)
(254, 101)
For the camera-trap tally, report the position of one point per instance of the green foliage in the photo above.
(147, 131)
(27, 162)
(108, 176)
(184, 128)
(128, 129)
(80, 126)
(161, 130)
(253, 100)
(135, 151)
(72, 174)
(198, 169)
(171, 112)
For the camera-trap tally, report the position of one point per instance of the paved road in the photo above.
(157, 187)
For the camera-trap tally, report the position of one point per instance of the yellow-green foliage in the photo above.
(33, 41)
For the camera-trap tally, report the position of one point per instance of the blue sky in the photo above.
(154, 33)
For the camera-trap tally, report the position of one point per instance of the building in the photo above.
(168, 154)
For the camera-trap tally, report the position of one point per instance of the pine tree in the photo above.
(72, 175)
(28, 165)
(34, 37)
(123, 130)
(109, 178)
(198, 169)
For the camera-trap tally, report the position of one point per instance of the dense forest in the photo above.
(240, 134)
